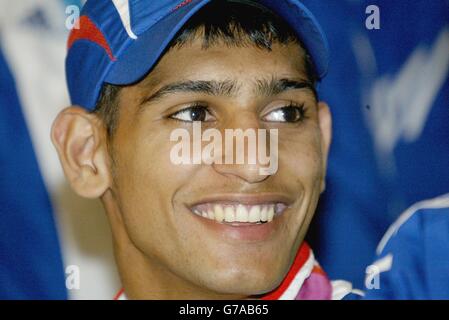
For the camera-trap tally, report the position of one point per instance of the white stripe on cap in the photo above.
(122, 7)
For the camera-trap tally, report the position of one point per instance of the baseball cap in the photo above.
(119, 41)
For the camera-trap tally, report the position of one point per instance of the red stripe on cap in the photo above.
(182, 4)
(300, 259)
(89, 31)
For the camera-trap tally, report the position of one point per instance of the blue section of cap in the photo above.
(304, 23)
(86, 67)
(144, 52)
(156, 24)
(148, 13)
(106, 17)
(87, 63)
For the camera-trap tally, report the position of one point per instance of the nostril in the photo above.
(249, 173)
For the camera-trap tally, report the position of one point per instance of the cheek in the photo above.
(147, 182)
(300, 155)
(301, 167)
(146, 165)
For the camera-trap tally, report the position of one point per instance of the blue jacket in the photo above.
(413, 256)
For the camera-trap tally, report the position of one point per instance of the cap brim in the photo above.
(141, 56)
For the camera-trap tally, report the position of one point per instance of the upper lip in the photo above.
(244, 198)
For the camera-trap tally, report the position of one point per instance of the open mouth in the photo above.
(239, 214)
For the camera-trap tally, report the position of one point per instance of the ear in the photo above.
(325, 122)
(80, 140)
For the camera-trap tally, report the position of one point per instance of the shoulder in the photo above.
(415, 220)
(412, 258)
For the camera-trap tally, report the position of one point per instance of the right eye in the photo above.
(192, 114)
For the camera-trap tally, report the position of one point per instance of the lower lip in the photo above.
(248, 232)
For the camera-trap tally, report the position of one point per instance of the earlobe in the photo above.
(80, 141)
(325, 122)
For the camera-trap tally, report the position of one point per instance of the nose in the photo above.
(247, 172)
(245, 150)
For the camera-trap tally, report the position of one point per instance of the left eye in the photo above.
(291, 114)
(191, 114)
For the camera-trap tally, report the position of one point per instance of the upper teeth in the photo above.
(237, 213)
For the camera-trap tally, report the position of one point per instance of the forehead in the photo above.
(221, 61)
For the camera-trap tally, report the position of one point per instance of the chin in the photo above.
(244, 280)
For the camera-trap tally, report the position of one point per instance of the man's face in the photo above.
(157, 198)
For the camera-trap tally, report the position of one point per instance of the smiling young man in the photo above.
(139, 70)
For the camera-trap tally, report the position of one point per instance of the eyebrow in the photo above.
(228, 88)
(275, 86)
(213, 88)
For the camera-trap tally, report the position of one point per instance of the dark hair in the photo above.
(237, 23)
